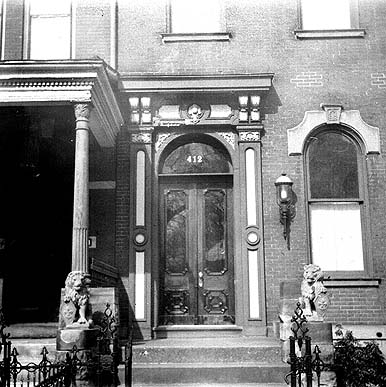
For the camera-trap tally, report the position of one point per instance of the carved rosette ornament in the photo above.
(314, 299)
(195, 113)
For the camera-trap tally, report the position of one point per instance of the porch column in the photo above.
(81, 201)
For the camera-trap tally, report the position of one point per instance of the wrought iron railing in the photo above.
(100, 366)
(302, 360)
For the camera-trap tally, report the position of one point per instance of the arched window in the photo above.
(335, 172)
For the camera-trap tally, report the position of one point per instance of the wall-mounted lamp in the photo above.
(286, 200)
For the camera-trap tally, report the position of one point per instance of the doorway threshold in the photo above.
(196, 331)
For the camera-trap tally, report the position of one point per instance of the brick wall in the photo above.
(125, 284)
(93, 18)
(14, 25)
(350, 72)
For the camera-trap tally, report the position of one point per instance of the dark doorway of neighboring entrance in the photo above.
(36, 196)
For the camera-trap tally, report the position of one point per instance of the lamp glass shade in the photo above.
(284, 193)
(283, 189)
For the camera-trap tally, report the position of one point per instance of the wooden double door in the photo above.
(196, 271)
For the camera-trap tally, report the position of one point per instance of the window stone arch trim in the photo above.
(312, 119)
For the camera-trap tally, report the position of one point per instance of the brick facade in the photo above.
(307, 72)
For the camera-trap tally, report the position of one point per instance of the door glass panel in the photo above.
(197, 157)
(214, 218)
(176, 207)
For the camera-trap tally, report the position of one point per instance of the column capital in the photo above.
(82, 111)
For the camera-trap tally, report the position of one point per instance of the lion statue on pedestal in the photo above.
(76, 298)
(314, 297)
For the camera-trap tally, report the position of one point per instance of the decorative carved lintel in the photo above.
(249, 136)
(144, 138)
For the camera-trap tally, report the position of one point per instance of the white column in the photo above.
(81, 205)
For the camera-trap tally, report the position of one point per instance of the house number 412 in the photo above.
(194, 159)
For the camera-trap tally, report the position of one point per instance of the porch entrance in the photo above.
(36, 195)
(196, 217)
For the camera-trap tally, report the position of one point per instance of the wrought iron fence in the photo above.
(303, 361)
(99, 367)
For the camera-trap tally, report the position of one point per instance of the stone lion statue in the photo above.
(76, 297)
(314, 297)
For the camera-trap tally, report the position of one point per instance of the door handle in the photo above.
(200, 279)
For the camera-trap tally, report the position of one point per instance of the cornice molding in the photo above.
(146, 83)
(74, 81)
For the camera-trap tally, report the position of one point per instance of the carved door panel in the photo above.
(197, 256)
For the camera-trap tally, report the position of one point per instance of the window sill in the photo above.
(196, 37)
(352, 283)
(330, 34)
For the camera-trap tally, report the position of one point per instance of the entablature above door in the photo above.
(194, 100)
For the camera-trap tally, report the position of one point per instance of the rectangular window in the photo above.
(336, 236)
(49, 29)
(325, 14)
(199, 16)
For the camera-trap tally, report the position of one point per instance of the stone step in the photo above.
(196, 331)
(206, 373)
(213, 385)
(206, 361)
(242, 349)
(33, 330)
(30, 350)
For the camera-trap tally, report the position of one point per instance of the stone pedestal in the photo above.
(319, 331)
(82, 338)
